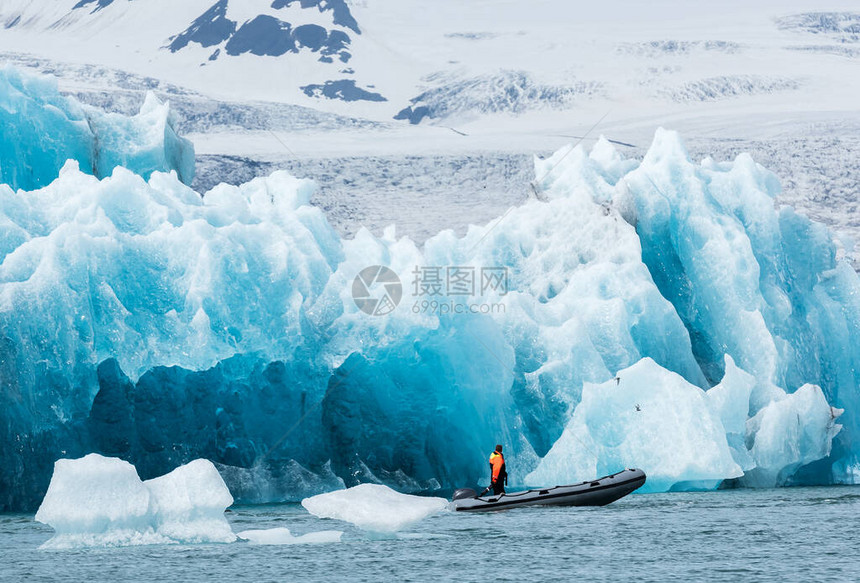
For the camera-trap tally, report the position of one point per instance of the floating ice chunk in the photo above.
(190, 503)
(648, 418)
(97, 501)
(100, 501)
(374, 507)
(283, 536)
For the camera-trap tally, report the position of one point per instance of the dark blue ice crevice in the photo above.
(209, 29)
(343, 89)
(172, 415)
(241, 413)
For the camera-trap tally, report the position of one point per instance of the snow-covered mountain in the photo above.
(459, 60)
(263, 84)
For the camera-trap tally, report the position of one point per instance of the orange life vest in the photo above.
(497, 463)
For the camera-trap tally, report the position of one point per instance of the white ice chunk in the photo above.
(283, 536)
(97, 501)
(374, 507)
(190, 503)
(100, 501)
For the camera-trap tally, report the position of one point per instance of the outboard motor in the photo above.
(464, 493)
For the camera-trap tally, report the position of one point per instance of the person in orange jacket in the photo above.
(499, 471)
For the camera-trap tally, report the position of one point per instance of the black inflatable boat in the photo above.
(598, 492)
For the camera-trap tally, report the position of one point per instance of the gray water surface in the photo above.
(751, 535)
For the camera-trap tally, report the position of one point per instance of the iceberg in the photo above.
(40, 129)
(100, 501)
(283, 536)
(141, 320)
(374, 507)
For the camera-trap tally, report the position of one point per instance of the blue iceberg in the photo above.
(143, 321)
(40, 130)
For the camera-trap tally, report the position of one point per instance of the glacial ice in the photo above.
(141, 320)
(648, 418)
(283, 536)
(96, 501)
(190, 503)
(100, 501)
(687, 438)
(795, 430)
(40, 129)
(374, 507)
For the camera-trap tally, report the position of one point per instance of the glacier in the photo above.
(40, 129)
(141, 320)
(100, 501)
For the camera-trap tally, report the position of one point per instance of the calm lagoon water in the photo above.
(752, 535)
